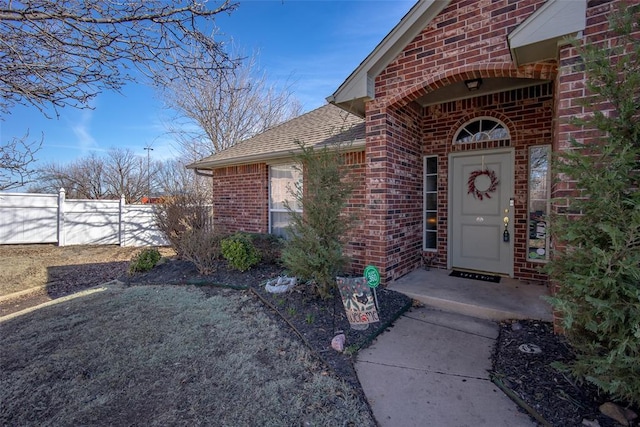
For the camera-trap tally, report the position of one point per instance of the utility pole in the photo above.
(149, 150)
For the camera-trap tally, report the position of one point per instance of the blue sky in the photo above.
(315, 44)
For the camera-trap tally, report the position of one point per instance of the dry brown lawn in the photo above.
(25, 267)
(165, 355)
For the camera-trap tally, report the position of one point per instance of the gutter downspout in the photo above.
(201, 173)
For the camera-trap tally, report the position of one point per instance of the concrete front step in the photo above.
(509, 299)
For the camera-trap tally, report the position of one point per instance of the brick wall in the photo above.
(394, 189)
(467, 40)
(355, 248)
(572, 90)
(241, 198)
(241, 202)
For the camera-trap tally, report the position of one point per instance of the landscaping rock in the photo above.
(618, 413)
(337, 343)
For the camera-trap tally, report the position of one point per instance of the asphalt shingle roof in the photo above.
(326, 125)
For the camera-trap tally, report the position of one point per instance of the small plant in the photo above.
(202, 248)
(309, 319)
(145, 260)
(269, 247)
(292, 311)
(240, 252)
(182, 214)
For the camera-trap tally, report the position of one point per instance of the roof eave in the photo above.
(356, 145)
(537, 38)
(359, 87)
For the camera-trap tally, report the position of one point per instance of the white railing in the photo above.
(51, 218)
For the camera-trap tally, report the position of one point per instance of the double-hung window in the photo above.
(284, 181)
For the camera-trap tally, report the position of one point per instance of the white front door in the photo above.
(481, 199)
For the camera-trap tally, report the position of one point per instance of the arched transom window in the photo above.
(481, 129)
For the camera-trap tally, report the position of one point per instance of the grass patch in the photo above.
(164, 356)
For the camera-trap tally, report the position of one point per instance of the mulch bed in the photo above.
(552, 396)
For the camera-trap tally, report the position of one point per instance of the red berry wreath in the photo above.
(481, 194)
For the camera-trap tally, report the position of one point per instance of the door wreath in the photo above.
(482, 193)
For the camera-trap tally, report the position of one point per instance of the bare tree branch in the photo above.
(216, 111)
(120, 172)
(16, 160)
(63, 53)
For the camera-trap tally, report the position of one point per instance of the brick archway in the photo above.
(542, 71)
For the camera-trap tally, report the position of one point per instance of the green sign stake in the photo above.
(372, 276)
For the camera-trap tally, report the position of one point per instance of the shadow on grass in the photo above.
(64, 280)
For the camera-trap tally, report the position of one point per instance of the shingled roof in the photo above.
(327, 125)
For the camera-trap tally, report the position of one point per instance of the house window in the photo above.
(481, 129)
(430, 237)
(539, 199)
(283, 180)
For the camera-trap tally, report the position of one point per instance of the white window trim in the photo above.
(271, 209)
(546, 258)
(424, 203)
(477, 119)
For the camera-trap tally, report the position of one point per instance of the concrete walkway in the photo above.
(431, 369)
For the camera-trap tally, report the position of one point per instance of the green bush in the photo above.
(314, 248)
(240, 252)
(598, 272)
(145, 260)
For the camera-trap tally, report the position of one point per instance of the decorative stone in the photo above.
(280, 285)
(590, 423)
(529, 348)
(337, 343)
(618, 413)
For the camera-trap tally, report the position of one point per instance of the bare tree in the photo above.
(82, 179)
(173, 178)
(120, 172)
(216, 111)
(16, 162)
(63, 53)
(126, 174)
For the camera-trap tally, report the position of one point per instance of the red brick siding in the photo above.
(467, 40)
(394, 190)
(355, 162)
(572, 90)
(241, 202)
(241, 198)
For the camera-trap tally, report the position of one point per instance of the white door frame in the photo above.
(507, 150)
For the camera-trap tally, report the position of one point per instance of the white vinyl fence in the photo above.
(51, 218)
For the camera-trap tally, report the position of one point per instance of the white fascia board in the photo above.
(537, 38)
(359, 86)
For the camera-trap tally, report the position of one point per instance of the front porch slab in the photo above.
(509, 299)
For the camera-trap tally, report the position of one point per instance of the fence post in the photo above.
(61, 232)
(122, 232)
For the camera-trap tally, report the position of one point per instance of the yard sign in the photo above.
(358, 301)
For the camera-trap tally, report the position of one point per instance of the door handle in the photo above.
(505, 233)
